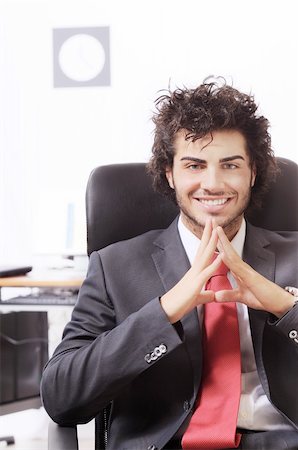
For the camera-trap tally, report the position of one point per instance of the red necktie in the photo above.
(213, 424)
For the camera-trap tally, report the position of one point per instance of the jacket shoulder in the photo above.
(143, 244)
(273, 237)
(133, 244)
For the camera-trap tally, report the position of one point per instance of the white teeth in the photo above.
(218, 201)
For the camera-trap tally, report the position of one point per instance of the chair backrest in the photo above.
(121, 203)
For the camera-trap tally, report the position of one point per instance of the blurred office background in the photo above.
(78, 80)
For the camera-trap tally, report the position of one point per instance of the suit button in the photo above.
(148, 358)
(163, 348)
(186, 406)
(157, 351)
(294, 335)
(152, 447)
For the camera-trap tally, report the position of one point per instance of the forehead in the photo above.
(222, 143)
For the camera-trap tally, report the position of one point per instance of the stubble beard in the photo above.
(230, 225)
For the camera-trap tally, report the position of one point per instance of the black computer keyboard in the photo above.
(42, 299)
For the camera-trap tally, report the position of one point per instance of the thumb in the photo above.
(206, 297)
(231, 295)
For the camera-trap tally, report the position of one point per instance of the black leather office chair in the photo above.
(120, 203)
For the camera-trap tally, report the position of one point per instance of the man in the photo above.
(138, 338)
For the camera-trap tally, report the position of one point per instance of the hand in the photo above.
(187, 293)
(253, 289)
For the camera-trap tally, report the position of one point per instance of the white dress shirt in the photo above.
(255, 410)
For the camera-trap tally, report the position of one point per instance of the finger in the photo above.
(243, 272)
(225, 243)
(214, 223)
(206, 297)
(204, 257)
(237, 279)
(230, 256)
(208, 271)
(205, 238)
(219, 246)
(231, 295)
(207, 232)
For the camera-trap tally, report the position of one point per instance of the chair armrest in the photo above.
(62, 438)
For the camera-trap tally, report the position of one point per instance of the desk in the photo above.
(58, 314)
(67, 278)
(51, 280)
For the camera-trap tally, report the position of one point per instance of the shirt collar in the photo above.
(191, 243)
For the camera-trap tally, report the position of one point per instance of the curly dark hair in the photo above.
(210, 107)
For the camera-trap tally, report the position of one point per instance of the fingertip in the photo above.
(208, 296)
(208, 223)
(214, 224)
(207, 227)
(218, 298)
(221, 234)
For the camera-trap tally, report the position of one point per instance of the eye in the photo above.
(195, 166)
(230, 166)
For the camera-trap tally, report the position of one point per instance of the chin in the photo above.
(231, 227)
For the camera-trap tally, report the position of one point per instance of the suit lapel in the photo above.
(171, 263)
(258, 255)
(257, 252)
(169, 257)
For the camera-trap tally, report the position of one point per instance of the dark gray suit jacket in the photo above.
(119, 345)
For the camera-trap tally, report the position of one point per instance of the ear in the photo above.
(253, 175)
(169, 175)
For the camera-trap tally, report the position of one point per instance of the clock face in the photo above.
(81, 57)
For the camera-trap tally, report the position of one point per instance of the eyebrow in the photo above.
(203, 161)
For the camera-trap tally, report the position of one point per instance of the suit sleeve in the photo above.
(288, 325)
(98, 357)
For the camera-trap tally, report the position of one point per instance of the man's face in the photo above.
(212, 179)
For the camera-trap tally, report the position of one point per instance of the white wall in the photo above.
(51, 138)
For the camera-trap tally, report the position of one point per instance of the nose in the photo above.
(212, 180)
